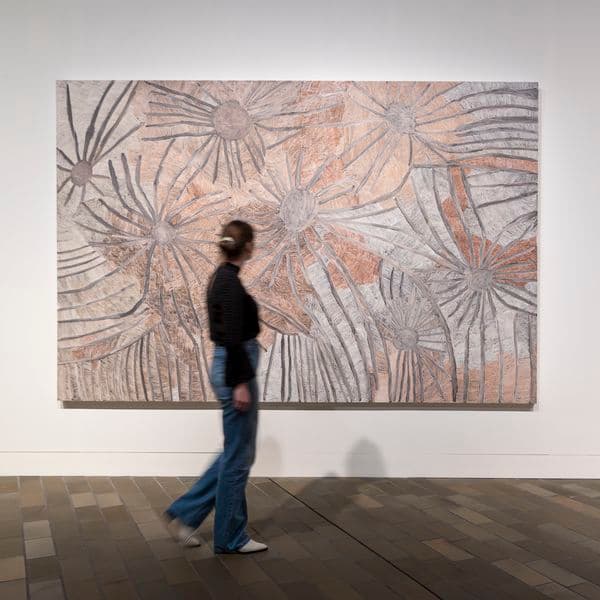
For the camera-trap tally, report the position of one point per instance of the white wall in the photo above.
(553, 42)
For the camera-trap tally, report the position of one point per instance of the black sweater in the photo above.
(233, 319)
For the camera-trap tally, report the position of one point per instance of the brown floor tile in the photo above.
(39, 548)
(34, 513)
(12, 546)
(77, 485)
(301, 591)
(281, 571)
(154, 530)
(178, 570)
(61, 514)
(157, 590)
(555, 573)
(122, 590)
(539, 549)
(11, 515)
(217, 578)
(43, 568)
(286, 546)
(36, 529)
(587, 590)
(124, 530)
(68, 545)
(12, 568)
(13, 590)
(264, 590)
(144, 515)
(82, 590)
(143, 570)
(108, 499)
(347, 570)
(448, 550)
(108, 571)
(589, 570)
(88, 513)
(30, 499)
(116, 514)
(244, 569)
(554, 590)
(469, 515)
(76, 568)
(100, 485)
(134, 500)
(134, 549)
(334, 589)
(10, 528)
(522, 572)
(83, 499)
(563, 533)
(508, 533)
(94, 530)
(9, 485)
(375, 589)
(46, 590)
(192, 590)
(165, 549)
(57, 499)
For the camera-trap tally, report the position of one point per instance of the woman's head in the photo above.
(237, 240)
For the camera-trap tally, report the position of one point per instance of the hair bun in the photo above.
(233, 239)
(227, 241)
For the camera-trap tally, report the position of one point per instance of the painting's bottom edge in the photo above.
(461, 406)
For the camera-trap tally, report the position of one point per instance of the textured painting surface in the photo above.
(396, 251)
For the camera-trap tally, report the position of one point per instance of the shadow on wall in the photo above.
(363, 460)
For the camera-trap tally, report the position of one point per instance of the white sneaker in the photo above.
(183, 534)
(252, 546)
(186, 537)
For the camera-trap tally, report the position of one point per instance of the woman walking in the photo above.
(233, 318)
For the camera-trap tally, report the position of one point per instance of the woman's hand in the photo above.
(241, 397)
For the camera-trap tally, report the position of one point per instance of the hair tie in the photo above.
(227, 239)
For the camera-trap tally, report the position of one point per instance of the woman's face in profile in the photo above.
(249, 250)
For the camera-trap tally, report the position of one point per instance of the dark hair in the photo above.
(234, 237)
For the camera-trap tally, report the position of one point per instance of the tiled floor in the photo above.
(92, 538)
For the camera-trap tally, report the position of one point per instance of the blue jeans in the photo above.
(223, 485)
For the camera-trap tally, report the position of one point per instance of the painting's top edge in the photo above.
(452, 81)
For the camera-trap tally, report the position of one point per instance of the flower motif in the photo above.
(236, 123)
(421, 363)
(395, 125)
(158, 238)
(483, 283)
(305, 267)
(102, 136)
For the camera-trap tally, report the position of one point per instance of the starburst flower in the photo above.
(81, 155)
(304, 258)
(159, 238)
(233, 124)
(394, 125)
(421, 363)
(483, 282)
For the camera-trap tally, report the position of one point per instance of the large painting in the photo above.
(396, 251)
